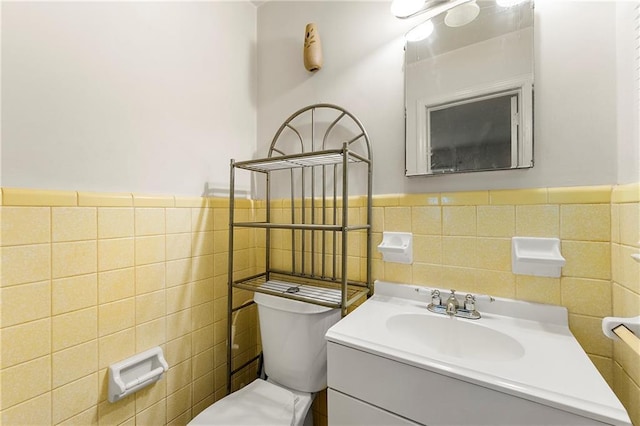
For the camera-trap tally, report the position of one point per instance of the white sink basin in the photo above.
(517, 348)
(455, 337)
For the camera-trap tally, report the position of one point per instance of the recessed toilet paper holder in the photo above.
(134, 373)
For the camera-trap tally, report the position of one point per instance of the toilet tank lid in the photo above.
(289, 305)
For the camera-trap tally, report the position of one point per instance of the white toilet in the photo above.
(295, 362)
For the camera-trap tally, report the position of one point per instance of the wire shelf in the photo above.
(305, 289)
(325, 158)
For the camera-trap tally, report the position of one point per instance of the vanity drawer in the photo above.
(345, 410)
(430, 398)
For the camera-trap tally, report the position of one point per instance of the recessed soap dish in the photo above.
(536, 256)
(397, 247)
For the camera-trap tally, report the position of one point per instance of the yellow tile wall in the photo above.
(463, 240)
(88, 279)
(625, 240)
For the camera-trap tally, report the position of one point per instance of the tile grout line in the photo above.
(51, 336)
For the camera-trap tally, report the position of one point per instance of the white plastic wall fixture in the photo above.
(536, 256)
(609, 323)
(134, 373)
(397, 247)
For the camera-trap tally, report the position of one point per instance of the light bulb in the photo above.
(405, 8)
(462, 15)
(420, 32)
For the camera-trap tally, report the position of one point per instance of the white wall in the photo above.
(148, 97)
(575, 110)
(363, 72)
(156, 97)
(628, 66)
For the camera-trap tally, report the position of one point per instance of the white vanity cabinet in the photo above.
(392, 362)
(367, 389)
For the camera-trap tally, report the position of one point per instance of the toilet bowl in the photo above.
(295, 360)
(259, 403)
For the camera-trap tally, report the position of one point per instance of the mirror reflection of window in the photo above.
(477, 134)
(458, 74)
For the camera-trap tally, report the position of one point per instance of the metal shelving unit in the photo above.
(319, 213)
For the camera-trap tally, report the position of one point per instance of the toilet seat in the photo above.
(258, 403)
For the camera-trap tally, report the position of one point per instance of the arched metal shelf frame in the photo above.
(319, 212)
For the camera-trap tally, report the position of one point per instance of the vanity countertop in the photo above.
(548, 366)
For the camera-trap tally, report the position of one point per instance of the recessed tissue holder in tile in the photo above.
(536, 256)
(134, 373)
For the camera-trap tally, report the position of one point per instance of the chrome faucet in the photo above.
(452, 304)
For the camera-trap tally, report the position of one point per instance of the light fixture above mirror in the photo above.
(461, 15)
(458, 13)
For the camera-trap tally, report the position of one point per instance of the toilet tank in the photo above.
(293, 344)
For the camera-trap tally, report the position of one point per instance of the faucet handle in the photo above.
(470, 302)
(435, 297)
(434, 293)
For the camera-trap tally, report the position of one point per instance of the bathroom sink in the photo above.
(520, 349)
(455, 337)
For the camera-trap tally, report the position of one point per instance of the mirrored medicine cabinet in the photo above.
(469, 93)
